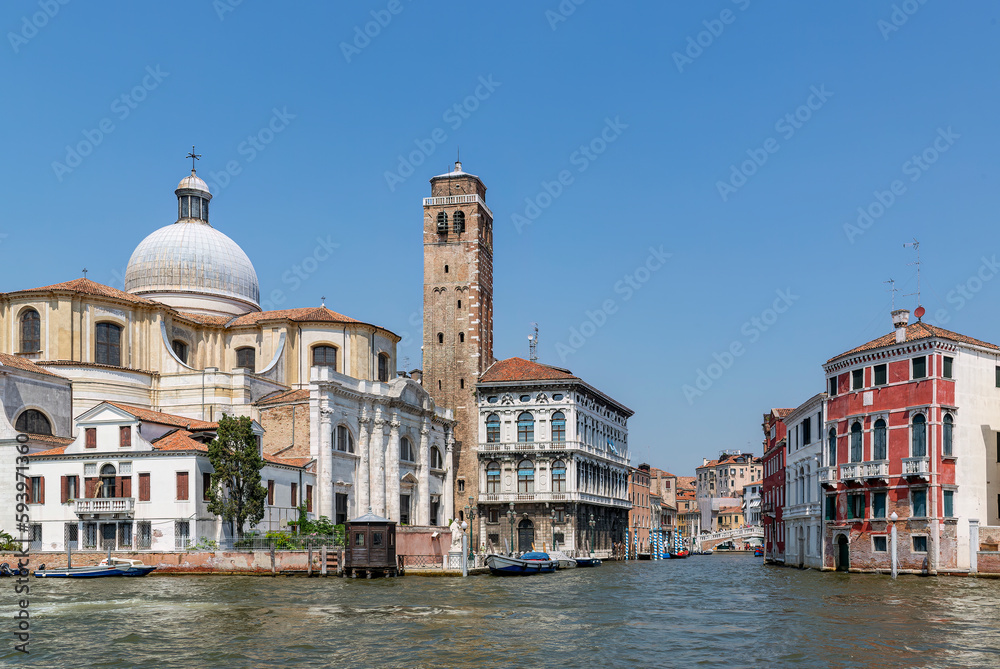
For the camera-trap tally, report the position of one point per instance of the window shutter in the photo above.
(309, 498)
(125, 436)
(41, 486)
(91, 433)
(126, 487)
(90, 487)
(144, 487)
(182, 485)
(270, 493)
(64, 494)
(118, 487)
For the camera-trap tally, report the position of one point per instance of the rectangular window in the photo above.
(920, 367)
(124, 535)
(831, 507)
(880, 375)
(206, 485)
(37, 492)
(144, 534)
(494, 516)
(998, 377)
(832, 385)
(144, 487)
(919, 544)
(36, 537)
(404, 509)
(125, 436)
(182, 486)
(309, 499)
(295, 495)
(72, 535)
(182, 534)
(878, 504)
(340, 515)
(948, 362)
(807, 431)
(919, 503)
(461, 485)
(90, 535)
(857, 379)
(91, 437)
(270, 493)
(856, 506)
(949, 503)
(879, 544)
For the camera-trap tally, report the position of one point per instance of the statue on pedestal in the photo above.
(456, 536)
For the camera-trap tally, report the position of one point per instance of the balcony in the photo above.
(850, 472)
(549, 446)
(828, 476)
(875, 470)
(457, 199)
(104, 505)
(588, 498)
(919, 467)
(805, 510)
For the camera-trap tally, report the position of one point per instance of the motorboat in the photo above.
(565, 561)
(529, 563)
(5, 570)
(758, 552)
(106, 567)
(588, 562)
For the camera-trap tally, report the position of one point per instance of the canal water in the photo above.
(706, 611)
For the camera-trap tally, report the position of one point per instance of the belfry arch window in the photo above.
(919, 436)
(325, 356)
(33, 422)
(458, 223)
(442, 223)
(30, 332)
(107, 348)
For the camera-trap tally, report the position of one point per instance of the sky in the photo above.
(697, 203)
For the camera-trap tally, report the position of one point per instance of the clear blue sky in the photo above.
(677, 124)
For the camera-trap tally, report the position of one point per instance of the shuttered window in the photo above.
(295, 494)
(91, 435)
(182, 485)
(270, 493)
(309, 498)
(144, 487)
(125, 486)
(125, 436)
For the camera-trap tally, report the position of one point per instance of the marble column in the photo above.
(449, 486)
(424, 474)
(377, 449)
(392, 469)
(325, 465)
(364, 463)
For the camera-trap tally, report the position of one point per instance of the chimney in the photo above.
(900, 319)
(458, 166)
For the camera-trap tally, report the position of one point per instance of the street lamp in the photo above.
(470, 513)
(592, 525)
(511, 516)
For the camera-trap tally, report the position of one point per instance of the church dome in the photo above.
(192, 266)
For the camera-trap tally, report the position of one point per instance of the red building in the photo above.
(773, 491)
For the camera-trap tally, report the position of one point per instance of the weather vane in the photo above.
(193, 156)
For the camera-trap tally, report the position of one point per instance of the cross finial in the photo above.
(323, 300)
(193, 156)
(84, 272)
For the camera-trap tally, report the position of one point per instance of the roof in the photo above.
(8, 360)
(519, 369)
(284, 397)
(915, 332)
(731, 509)
(160, 418)
(302, 314)
(88, 287)
(204, 319)
(182, 440)
(370, 518)
(781, 413)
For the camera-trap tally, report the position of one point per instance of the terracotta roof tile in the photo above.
(283, 396)
(300, 315)
(205, 319)
(179, 440)
(160, 418)
(519, 369)
(58, 450)
(94, 365)
(289, 462)
(915, 332)
(7, 360)
(781, 413)
(88, 287)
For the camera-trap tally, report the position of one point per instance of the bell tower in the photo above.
(458, 311)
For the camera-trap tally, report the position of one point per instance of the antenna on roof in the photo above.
(533, 345)
(916, 247)
(892, 289)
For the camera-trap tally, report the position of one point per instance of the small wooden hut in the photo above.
(371, 547)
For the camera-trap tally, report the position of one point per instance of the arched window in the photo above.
(458, 224)
(437, 462)
(919, 436)
(526, 476)
(30, 332)
(325, 356)
(180, 350)
(558, 426)
(107, 348)
(461, 337)
(246, 357)
(831, 447)
(383, 367)
(405, 450)
(442, 223)
(558, 476)
(345, 440)
(33, 422)
(949, 434)
(856, 442)
(107, 481)
(525, 427)
(440, 337)
(493, 478)
(878, 443)
(493, 429)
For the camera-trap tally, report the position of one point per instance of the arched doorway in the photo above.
(843, 554)
(525, 535)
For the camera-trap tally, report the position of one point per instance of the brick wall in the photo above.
(258, 562)
(283, 422)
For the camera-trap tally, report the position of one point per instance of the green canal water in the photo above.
(706, 611)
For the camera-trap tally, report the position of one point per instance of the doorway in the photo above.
(525, 535)
(843, 554)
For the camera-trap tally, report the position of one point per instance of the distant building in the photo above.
(720, 483)
(801, 511)
(639, 516)
(751, 502)
(773, 490)
(688, 515)
(730, 518)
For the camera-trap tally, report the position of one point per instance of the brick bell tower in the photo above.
(458, 312)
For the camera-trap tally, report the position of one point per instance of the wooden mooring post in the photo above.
(322, 557)
(274, 570)
(310, 569)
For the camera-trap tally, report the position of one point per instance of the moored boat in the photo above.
(565, 561)
(107, 567)
(588, 562)
(529, 563)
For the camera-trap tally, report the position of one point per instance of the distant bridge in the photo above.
(705, 541)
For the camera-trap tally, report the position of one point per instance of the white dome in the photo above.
(192, 257)
(193, 181)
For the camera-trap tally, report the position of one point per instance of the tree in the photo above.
(235, 492)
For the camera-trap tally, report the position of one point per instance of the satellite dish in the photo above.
(919, 313)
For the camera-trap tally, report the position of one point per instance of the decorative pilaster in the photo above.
(377, 449)
(364, 462)
(423, 505)
(449, 486)
(325, 464)
(392, 469)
